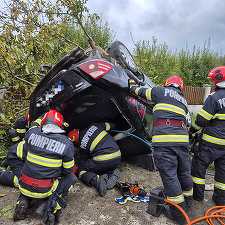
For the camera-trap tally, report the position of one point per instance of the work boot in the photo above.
(22, 205)
(188, 201)
(113, 178)
(101, 186)
(174, 214)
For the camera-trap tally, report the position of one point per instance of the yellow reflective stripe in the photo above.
(188, 193)
(19, 150)
(219, 116)
(107, 156)
(39, 160)
(177, 199)
(148, 94)
(107, 126)
(170, 138)
(170, 108)
(82, 172)
(68, 164)
(219, 185)
(214, 140)
(21, 131)
(39, 195)
(98, 139)
(16, 181)
(198, 180)
(205, 114)
(38, 121)
(58, 207)
(14, 139)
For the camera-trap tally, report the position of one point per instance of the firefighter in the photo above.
(16, 153)
(211, 149)
(15, 160)
(99, 156)
(47, 171)
(170, 141)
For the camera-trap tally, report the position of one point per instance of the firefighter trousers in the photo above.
(174, 165)
(200, 162)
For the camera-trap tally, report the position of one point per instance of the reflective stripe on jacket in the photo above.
(169, 104)
(212, 118)
(97, 143)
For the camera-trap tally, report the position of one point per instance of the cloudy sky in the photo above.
(177, 22)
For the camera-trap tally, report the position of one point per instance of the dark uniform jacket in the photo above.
(212, 118)
(16, 156)
(48, 156)
(169, 104)
(97, 144)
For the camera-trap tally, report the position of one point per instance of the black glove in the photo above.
(54, 204)
(21, 123)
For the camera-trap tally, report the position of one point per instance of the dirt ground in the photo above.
(85, 207)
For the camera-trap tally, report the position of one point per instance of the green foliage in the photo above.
(39, 32)
(158, 61)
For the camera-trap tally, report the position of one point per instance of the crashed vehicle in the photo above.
(92, 86)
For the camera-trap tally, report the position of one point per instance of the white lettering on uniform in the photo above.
(87, 136)
(175, 95)
(222, 102)
(46, 143)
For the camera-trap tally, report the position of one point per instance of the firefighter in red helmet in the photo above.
(212, 145)
(47, 170)
(170, 141)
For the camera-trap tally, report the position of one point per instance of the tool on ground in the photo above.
(130, 189)
(131, 192)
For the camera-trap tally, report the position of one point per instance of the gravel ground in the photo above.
(85, 207)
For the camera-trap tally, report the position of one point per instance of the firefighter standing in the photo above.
(47, 171)
(170, 140)
(99, 156)
(212, 119)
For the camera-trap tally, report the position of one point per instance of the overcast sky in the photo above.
(177, 22)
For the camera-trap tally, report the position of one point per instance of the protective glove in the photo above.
(131, 83)
(21, 123)
(54, 205)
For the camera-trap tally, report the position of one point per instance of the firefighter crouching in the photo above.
(15, 160)
(47, 170)
(170, 140)
(212, 145)
(99, 156)
(16, 153)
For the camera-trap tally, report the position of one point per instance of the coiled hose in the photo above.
(214, 215)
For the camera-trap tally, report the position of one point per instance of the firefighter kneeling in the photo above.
(99, 156)
(47, 171)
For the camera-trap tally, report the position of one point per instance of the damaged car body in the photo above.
(92, 86)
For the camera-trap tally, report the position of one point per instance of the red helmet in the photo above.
(175, 80)
(217, 75)
(52, 117)
(74, 136)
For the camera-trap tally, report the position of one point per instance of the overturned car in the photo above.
(92, 86)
